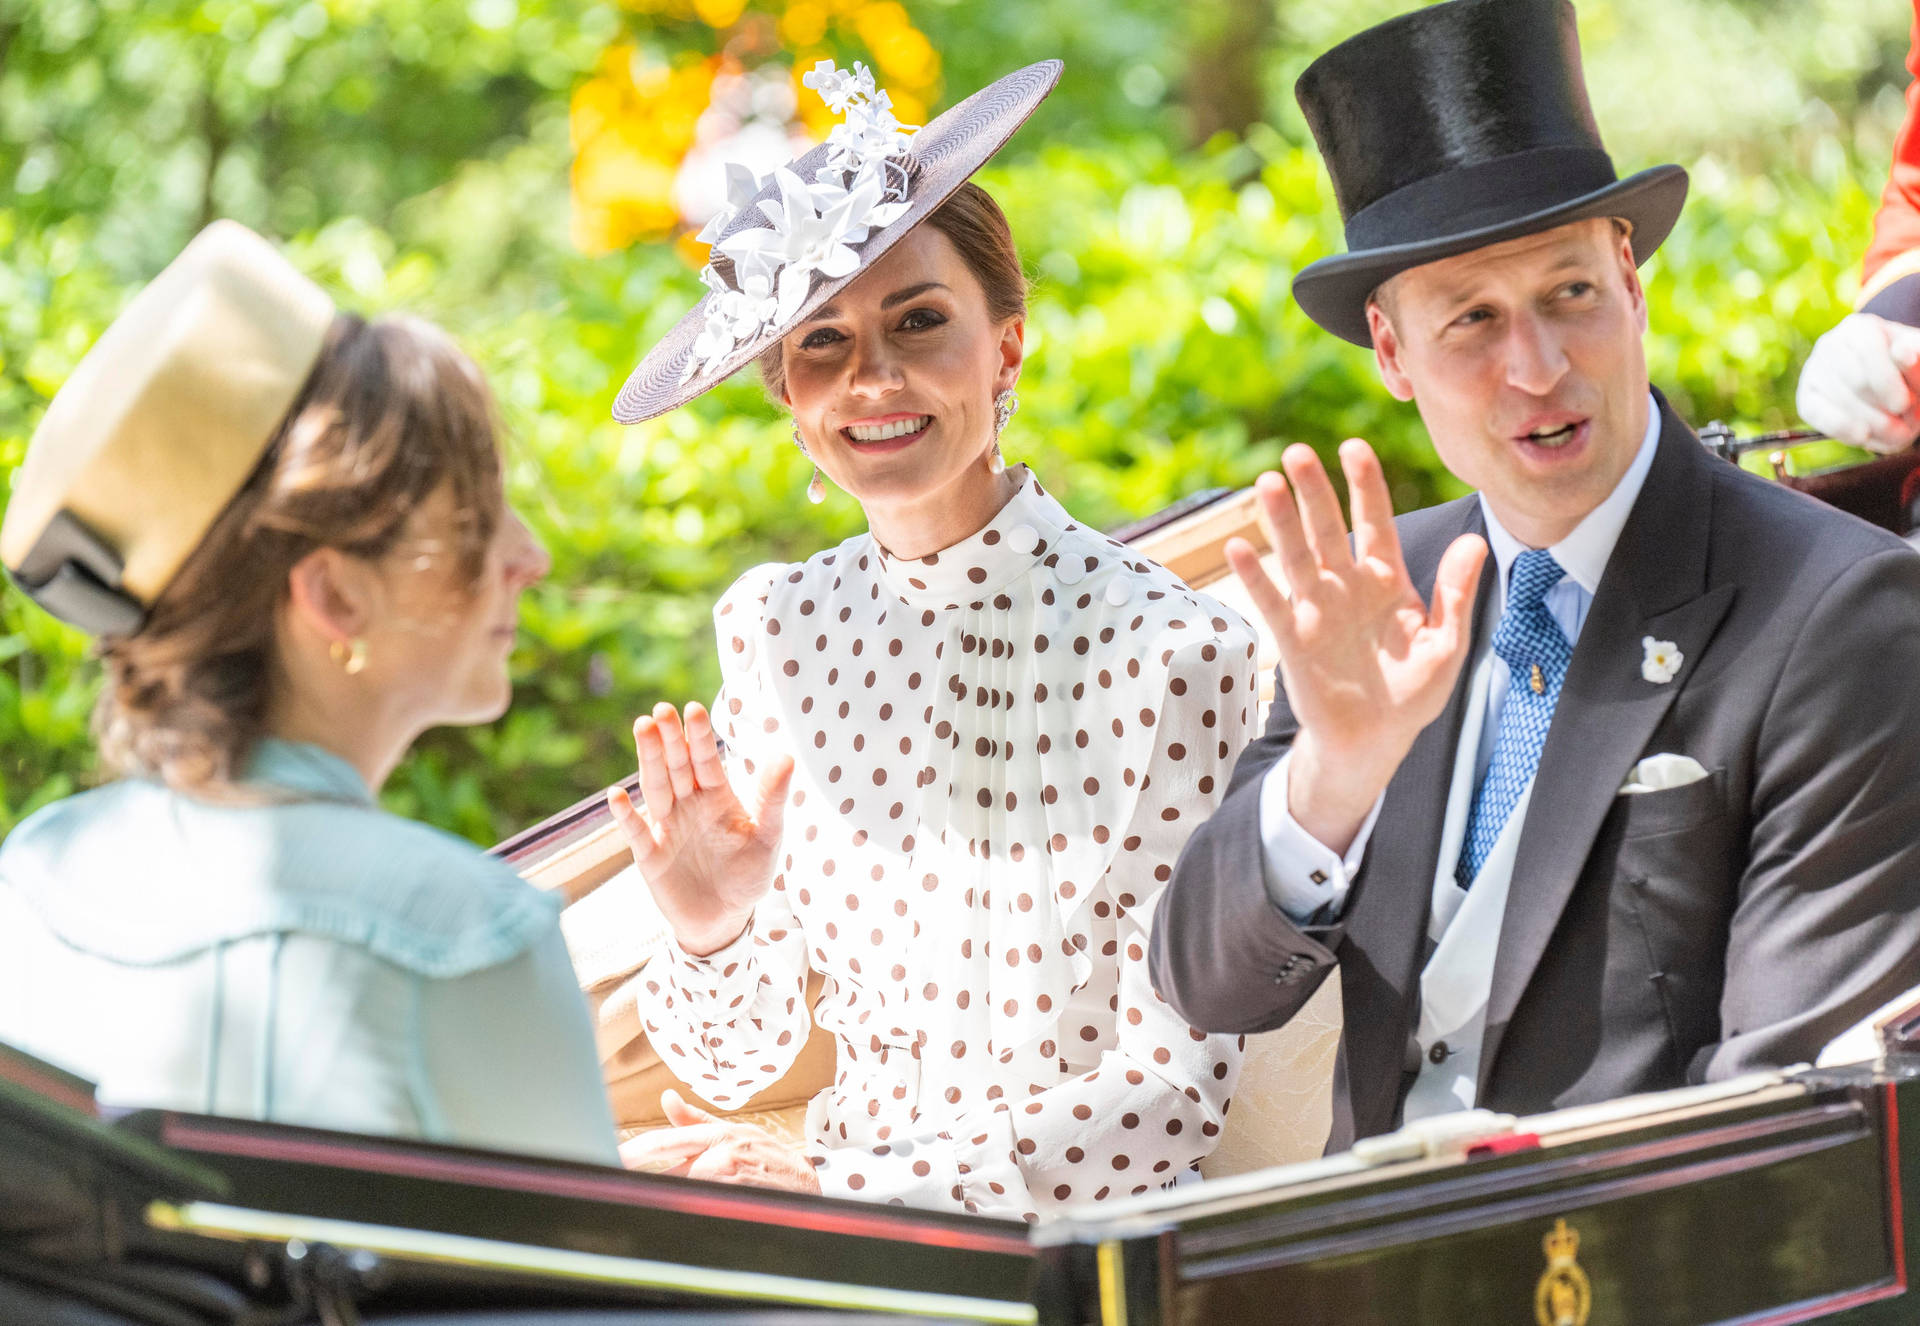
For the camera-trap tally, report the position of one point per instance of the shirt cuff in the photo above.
(717, 970)
(1304, 877)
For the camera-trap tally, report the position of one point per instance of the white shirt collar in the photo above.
(1584, 553)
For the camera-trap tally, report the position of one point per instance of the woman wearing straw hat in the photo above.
(287, 528)
(969, 742)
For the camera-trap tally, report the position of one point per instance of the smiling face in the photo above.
(1526, 363)
(892, 384)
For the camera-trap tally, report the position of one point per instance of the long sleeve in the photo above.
(1828, 918)
(1895, 251)
(506, 1060)
(733, 1021)
(1152, 1104)
(1223, 951)
(1304, 876)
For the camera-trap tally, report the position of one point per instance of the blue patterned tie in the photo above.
(1534, 648)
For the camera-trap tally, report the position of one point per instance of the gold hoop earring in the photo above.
(349, 657)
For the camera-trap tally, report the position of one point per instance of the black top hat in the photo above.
(1455, 127)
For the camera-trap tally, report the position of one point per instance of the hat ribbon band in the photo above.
(1469, 198)
(75, 574)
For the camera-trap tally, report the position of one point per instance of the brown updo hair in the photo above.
(978, 230)
(391, 411)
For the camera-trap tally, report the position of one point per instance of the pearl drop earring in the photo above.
(1003, 407)
(816, 486)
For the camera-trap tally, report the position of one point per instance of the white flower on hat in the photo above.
(800, 242)
(748, 308)
(812, 227)
(742, 187)
(1662, 661)
(870, 135)
(839, 88)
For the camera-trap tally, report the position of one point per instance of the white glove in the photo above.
(1861, 384)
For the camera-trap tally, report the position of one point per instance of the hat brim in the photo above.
(1333, 291)
(947, 152)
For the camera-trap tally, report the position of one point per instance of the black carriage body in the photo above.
(1786, 1202)
(1785, 1206)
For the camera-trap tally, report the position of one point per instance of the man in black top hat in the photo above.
(1636, 802)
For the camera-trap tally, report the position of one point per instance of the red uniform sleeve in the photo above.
(1895, 251)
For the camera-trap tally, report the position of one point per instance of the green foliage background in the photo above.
(414, 154)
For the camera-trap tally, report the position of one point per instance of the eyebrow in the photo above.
(826, 311)
(911, 292)
(1461, 296)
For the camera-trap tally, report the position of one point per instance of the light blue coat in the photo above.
(314, 960)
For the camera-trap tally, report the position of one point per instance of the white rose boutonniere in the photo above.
(1662, 660)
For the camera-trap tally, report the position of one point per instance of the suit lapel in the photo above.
(1655, 585)
(1395, 890)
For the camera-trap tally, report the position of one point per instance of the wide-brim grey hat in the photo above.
(941, 157)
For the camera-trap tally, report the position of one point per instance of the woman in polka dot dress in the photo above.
(971, 743)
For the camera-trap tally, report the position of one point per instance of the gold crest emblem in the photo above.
(1563, 1297)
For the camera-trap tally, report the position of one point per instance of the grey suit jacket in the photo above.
(1650, 940)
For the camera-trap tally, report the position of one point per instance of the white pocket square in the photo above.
(1656, 773)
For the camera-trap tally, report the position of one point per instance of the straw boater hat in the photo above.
(1455, 127)
(158, 428)
(787, 244)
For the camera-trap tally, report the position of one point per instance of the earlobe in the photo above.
(1630, 272)
(1386, 354)
(1013, 353)
(326, 596)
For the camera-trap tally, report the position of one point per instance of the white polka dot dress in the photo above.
(1000, 750)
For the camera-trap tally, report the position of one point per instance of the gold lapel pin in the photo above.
(1537, 681)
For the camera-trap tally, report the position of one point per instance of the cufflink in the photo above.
(1318, 877)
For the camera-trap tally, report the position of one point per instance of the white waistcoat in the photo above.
(1465, 929)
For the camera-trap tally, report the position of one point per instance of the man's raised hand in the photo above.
(707, 858)
(1365, 663)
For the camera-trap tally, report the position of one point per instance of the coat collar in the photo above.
(298, 766)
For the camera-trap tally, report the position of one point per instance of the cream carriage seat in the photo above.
(1282, 1109)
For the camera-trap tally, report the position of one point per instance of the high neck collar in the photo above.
(1021, 533)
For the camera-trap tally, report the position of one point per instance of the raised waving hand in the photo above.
(1365, 662)
(707, 857)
